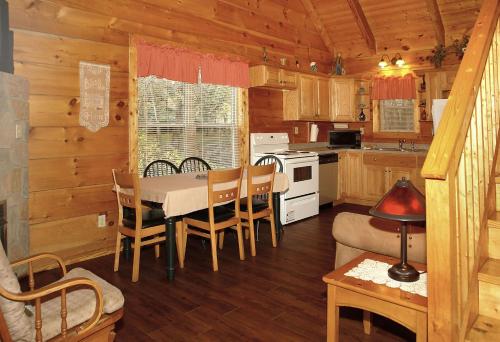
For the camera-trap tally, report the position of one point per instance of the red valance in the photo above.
(183, 65)
(391, 88)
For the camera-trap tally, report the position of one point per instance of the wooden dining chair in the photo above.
(258, 204)
(160, 167)
(223, 186)
(146, 226)
(194, 164)
(267, 160)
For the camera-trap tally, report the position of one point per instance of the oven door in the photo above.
(302, 176)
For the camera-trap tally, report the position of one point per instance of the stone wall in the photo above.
(14, 127)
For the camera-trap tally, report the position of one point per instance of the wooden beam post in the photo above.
(363, 25)
(318, 23)
(132, 104)
(433, 8)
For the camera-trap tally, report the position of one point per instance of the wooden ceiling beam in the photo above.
(363, 25)
(437, 21)
(318, 23)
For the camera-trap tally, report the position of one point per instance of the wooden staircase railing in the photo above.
(459, 172)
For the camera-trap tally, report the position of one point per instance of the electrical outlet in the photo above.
(295, 130)
(101, 221)
(362, 130)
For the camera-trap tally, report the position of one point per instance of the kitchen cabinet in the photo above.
(342, 176)
(365, 177)
(374, 181)
(381, 171)
(314, 99)
(342, 100)
(354, 167)
(271, 77)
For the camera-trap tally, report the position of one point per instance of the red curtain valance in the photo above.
(183, 65)
(391, 88)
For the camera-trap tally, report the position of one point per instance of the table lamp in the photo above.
(406, 204)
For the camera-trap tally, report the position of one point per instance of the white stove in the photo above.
(301, 200)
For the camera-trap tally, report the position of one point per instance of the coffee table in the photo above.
(407, 309)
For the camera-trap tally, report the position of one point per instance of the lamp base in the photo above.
(403, 272)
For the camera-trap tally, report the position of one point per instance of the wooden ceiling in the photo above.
(395, 25)
(303, 30)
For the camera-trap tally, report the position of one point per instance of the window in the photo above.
(179, 120)
(397, 115)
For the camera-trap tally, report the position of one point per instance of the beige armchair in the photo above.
(85, 309)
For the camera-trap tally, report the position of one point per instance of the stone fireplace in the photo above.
(14, 125)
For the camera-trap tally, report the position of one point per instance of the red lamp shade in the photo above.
(402, 203)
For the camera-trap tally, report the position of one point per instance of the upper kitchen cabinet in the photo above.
(314, 99)
(270, 77)
(342, 98)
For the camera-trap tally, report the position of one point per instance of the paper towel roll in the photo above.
(313, 136)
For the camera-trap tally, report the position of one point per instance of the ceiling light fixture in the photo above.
(383, 61)
(396, 60)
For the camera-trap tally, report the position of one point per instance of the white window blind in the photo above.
(397, 116)
(178, 120)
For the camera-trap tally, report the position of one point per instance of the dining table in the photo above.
(184, 193)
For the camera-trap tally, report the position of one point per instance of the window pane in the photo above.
(179, 120)
(397, 116)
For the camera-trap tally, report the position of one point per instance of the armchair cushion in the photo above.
(80, 304)
(18, 322)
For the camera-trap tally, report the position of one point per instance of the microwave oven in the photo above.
(344, 138)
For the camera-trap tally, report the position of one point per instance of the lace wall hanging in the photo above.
(94, 95)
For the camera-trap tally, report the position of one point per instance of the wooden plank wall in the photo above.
(70, 167)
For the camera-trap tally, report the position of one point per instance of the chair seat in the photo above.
(257, 205)
(80, 304)
(150, 218)
(221, 213)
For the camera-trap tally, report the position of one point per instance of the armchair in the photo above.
(85, 310)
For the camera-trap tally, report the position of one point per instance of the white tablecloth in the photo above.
(183, 193)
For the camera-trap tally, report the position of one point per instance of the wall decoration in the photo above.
(338, 65)
(94, 95)
(313, 66)
(439, 53)
(460, 45)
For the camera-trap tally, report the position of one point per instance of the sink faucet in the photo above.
(401, 144)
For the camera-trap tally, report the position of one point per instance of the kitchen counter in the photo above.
(326, 150)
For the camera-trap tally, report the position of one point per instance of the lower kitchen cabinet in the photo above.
(365, 177)
(355, 181)
(374, 183)
(342, 176)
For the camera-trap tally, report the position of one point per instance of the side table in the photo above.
(407, 309)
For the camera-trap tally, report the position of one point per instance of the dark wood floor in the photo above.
(276, 296)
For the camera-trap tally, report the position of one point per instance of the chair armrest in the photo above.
(61, 286)
(40, 256)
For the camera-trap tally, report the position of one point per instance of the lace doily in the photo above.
(376, 271)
